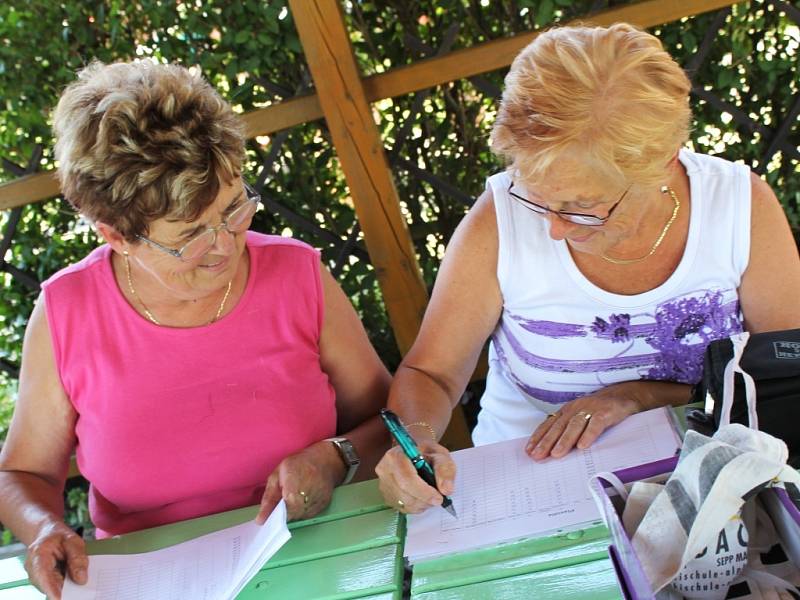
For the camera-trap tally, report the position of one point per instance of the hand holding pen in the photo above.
(403, 470)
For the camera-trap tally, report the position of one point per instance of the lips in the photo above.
(215, 265)
(582, 239)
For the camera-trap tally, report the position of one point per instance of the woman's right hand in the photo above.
(401, 486)
(56, 550)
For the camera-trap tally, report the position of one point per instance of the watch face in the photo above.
(349, 452)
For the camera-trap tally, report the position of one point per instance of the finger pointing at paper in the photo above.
(579, 423)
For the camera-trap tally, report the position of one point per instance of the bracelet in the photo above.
(430, 429)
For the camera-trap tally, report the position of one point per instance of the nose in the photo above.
(559, 228)
(224, 243)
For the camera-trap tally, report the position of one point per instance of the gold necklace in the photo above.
(147, 312)
(629, 261)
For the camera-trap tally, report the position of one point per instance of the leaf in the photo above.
(544, 13)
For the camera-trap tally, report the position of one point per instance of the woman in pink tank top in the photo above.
(192, 366)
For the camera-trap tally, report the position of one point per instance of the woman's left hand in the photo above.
(305, 480)
(580, 422)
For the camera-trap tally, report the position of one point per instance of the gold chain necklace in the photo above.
(629, 261)
(147, 312)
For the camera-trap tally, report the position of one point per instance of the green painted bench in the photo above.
(351, 550)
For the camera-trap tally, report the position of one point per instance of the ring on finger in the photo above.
(584, 415)
(401, 504)
(304, 495)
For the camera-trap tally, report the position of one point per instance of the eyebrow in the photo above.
(197, 228)
(594, 201)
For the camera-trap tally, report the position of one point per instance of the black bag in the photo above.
(772, 359)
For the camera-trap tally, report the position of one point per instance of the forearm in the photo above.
(418, 397)
(652, 394)
(28, 503)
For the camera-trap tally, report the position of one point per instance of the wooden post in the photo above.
(327, 49)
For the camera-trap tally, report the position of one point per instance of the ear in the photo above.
(673, 162)
(113, 237)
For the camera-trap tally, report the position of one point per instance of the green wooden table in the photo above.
(351, 550)
(355, 550)
(568, 566)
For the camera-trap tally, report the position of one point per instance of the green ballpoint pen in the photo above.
(410, 449)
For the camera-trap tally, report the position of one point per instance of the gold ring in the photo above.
(586, 416)
(305, 497)
(401, 504)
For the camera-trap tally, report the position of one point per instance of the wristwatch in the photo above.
(348, 454)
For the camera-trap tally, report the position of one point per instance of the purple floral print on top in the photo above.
(705, 317)
(676, 336)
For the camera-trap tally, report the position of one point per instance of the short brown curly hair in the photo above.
(139, 141)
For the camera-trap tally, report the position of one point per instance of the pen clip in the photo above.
(400, 434)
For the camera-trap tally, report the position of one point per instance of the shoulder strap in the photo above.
(739, 343)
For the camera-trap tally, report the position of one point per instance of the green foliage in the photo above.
(753, 68)
(7, 395)
(76, 505)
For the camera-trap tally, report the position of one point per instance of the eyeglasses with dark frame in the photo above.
(236, 222)
(570, 217)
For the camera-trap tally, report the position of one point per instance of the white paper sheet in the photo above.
(215, 566)
(502, 494)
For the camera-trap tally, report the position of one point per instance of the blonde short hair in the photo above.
(139, 141)
(609, 97)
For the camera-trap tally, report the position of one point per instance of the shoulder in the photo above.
(711, 166)
(767, 212)
(481, 220)
(277, 247)
(87, 266)
(265, 241)
(472, 252)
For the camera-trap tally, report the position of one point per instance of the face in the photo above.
(586, 194)
(207, 273)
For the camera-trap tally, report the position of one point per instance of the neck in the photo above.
(170, 307)
(655, 214)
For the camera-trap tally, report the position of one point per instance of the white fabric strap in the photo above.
(739, 343)
(768, 580)
(615, 482)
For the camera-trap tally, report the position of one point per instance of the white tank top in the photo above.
(560, 336)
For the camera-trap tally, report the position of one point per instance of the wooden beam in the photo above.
(326, 43)
(475, 60)
(481, 58)
(27, 189)
(288, 113)
(497, 54)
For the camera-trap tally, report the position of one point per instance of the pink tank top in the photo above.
(179, 423)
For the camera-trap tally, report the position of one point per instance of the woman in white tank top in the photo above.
(601, 263)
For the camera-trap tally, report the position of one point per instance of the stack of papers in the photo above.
(501, 494)
(216, 566)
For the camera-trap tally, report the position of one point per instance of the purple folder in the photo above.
(630, 576)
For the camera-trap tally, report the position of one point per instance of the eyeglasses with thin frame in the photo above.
(570, 217)
(236, 222)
